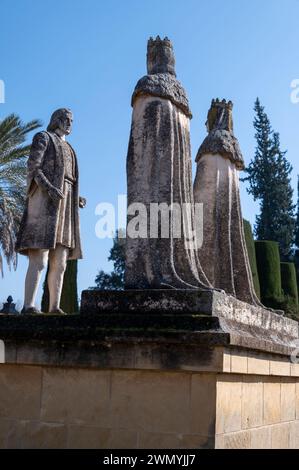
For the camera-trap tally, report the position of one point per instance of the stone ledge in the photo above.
(176, 329)
(184, 302)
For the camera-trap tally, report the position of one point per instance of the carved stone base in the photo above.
(150, 369)
(195, 311)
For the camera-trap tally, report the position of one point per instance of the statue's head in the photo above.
(160, 56)
(220, 116)
(61, 119)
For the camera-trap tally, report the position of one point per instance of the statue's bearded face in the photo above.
(66, 123)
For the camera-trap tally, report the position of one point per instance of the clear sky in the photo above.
(88, 55)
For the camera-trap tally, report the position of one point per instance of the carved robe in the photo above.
(223, 254)
(159, 171)
(45, 222)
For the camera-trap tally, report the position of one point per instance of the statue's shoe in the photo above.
(30, 311)
(57, 311)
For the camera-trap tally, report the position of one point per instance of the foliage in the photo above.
(13, 153)
(268, 175)
(116, 279)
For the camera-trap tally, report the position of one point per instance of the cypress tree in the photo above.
(69, 294)
(289, 283)
(296, 254)
(297, 217)
(252, 256)
(268, 175)
(268, 265)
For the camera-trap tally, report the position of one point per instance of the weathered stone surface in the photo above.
(249, 326)
(159, 173)
(280, 366)
(272, 401)
(10, 433)
(229, 404)
(280, 436)
(174, 441)
(234, 440)
(133, 395)
(216, 186)
(76, 395)
(39, 435)
(261, 438)
(109, 409)
(163, 85)
(294, 435)
(226, 360)
(252, 402)
(221, 139)
(239, 362)
(46, 174)
(160, 328)
(93, 437)
(288, 399)
(203, 400)
(20, 391)
(258, 364)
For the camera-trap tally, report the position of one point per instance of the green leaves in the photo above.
(116, 279)
(13, 170)
(269, 180)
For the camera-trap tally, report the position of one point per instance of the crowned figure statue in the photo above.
(159, 178)
(223, 254)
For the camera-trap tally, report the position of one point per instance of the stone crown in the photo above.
(222, 104)
(160, 56)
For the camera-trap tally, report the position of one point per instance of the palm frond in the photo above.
(13, 170)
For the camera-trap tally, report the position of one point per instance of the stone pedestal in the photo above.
(150, 369)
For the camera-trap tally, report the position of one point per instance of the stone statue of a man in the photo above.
(49, 229)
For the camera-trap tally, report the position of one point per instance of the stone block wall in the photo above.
(53, 407)
(252, 402)
(257, 412)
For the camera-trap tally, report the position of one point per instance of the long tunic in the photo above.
(66, 230)
(223, 254)
(41, 220)
(159, 171)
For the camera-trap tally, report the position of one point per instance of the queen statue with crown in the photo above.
(223, 254)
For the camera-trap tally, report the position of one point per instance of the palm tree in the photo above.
(13, 153)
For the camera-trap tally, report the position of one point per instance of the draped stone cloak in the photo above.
(159, 171)
(223, 254)
(40, 223)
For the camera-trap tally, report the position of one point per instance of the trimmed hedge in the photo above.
(289, 287)
(268, 266)
(252, 256)
(69, 295)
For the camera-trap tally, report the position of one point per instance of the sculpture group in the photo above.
(159, 175)
(159, 171)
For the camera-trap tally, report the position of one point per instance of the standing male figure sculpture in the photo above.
(49, 229)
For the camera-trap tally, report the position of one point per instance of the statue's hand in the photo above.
(82, 202)
(55, 194)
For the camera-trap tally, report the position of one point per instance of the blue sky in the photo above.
(88, 55)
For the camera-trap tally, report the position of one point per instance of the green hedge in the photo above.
(268, 266)
(69, 295)
(251, 255)
(289, 287)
